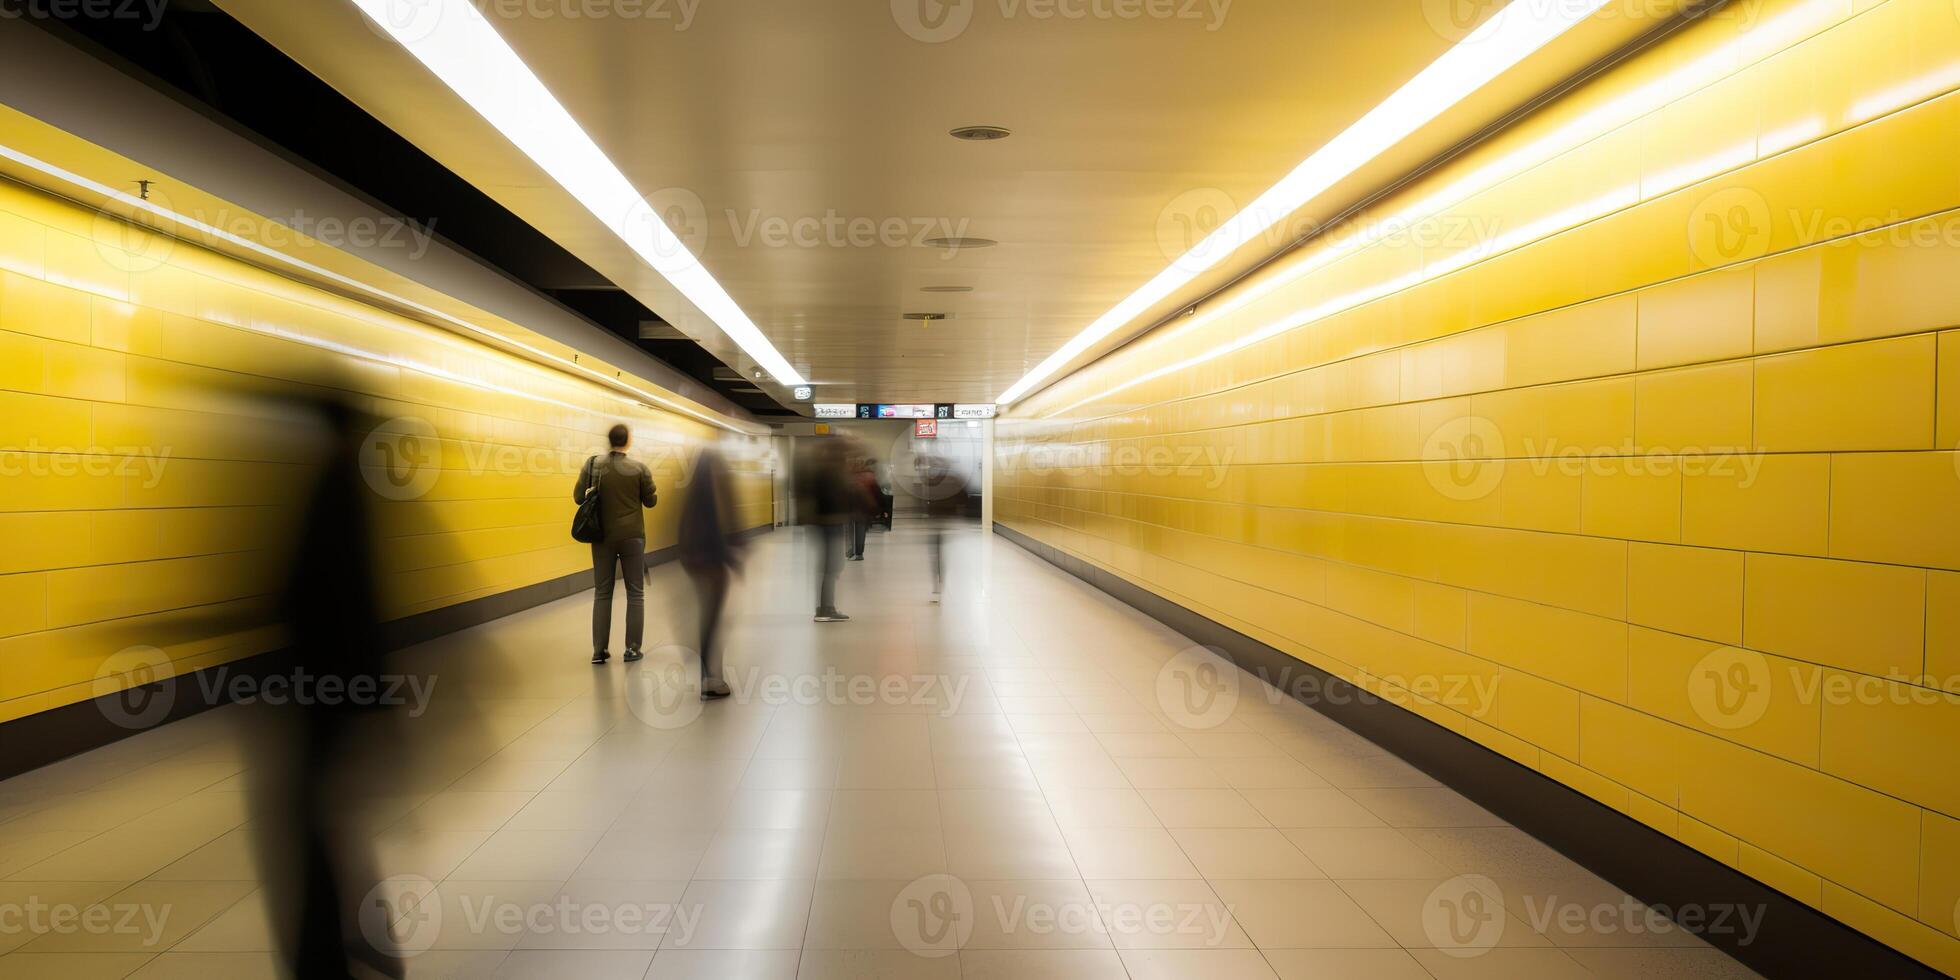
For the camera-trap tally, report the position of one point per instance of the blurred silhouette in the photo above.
(711, 554)
(307, 777)
(945, 491)
(883, 473)
(865, 501)
(824, 501)
(624, 486)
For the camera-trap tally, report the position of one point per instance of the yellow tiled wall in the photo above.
(140, 478)
(1642, 415)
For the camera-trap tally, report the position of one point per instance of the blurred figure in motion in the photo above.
(883, 472)
(945, 492)
(824, 495)
(865, 501)
(309, 773)
(710, 554)
(624, 486)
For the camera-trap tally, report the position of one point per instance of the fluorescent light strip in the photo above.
(185, 221)
(1492, 49)
(1768, 38)
(469, 56)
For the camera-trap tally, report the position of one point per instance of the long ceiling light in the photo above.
(459, 46)
(1498, 45)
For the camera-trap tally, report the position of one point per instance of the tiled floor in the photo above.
(1006, 785)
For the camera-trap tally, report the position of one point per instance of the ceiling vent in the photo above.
(981, 134)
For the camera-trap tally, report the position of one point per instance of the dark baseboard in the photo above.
(56, 734)
(1794, 940)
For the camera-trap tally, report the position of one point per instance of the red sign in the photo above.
(925, 429)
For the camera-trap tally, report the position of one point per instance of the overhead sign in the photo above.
(925, 429)
(803, 393)
(905, 411)
(836, 411)
(975, 411)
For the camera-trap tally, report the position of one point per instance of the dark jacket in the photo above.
(707, 513)
(625, 486)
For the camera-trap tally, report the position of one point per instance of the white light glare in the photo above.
(1492, 49)
(459, 46)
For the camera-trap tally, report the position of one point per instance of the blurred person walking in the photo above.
(945, 491)
(865, 501)
(624, 486)
(711, 554)
(314, 758)
(825, 495)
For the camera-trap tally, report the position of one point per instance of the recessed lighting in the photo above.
(1489, 51)
(946, 289)
(981, 134)
(961, 242)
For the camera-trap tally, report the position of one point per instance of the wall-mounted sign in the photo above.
(974, 411)
(905, 411)
(836, 411)
(925, 429)
(823, 428)
(803, 393)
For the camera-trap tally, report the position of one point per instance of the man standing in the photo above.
(624, 485)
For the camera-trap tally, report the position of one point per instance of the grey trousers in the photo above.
(629, 558)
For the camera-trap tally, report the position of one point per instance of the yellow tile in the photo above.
(23, 603)
(1838, 830)
(1585, 781)
(1943, 630)
(1700, 836)
(1867, 396)
(1579, 651)
(1637, 497)
(1442, 614)
(1939, 872)
(1654, 814)
(1902, 508)
(1949, 394)
(1779, 874)
(1709, 317)
(1903, 933)
(1788, 294)
(1587, 341)
(1629, 747)
(43, 309)
(1539, 711)
(1760, 700)
(1697, 410)
(23, 363)
(1895, 738)
(1540, 495)
(1781, 503)
(1857, 616)
(1691, 591)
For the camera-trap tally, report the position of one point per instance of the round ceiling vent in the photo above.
(946, 289)
(981, 134)
(961, 242)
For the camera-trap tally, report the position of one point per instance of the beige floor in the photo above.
(1007, 785)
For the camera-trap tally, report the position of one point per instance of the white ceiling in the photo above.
(761, 114)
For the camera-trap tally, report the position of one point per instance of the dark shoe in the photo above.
(601, 657)
(715, 691)
(634, 656)
(833, 616)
